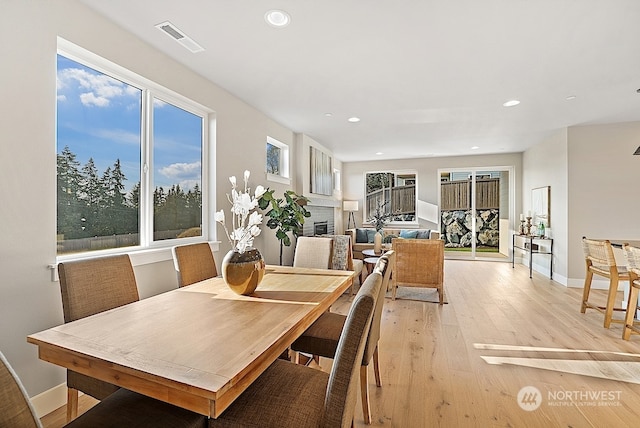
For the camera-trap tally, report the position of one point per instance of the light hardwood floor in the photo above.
(463, 364)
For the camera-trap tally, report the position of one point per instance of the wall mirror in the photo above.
(395, 191)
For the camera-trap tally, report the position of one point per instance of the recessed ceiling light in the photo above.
(328, 114)
(475, 148)
(354, 119)
(379, 153)
(277, 18)
(570, 97)
(511, 103)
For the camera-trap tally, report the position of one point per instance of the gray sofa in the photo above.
(362, 238)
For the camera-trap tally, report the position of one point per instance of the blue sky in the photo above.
(99, 117)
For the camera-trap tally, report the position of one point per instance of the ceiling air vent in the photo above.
(179, 36)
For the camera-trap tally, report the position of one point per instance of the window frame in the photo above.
(397, 224)
(285, 162)
(150, 91)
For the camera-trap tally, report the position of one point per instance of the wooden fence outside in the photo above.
(402, 200)
(456, 195)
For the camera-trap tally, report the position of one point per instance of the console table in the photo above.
(527, 244)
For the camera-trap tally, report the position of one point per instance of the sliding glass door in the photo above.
(475, 212)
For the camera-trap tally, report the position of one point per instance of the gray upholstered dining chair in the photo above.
(88, 287)
(321, 339)
(120, 409)
(194, 263)
(600, 260)
(292, 395)
(313, 252)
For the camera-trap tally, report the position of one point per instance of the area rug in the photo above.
(427, 295)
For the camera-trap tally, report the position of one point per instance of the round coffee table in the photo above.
(370, 253)
(370, 263)
(371, 258)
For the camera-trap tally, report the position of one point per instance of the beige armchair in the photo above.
(419, 263)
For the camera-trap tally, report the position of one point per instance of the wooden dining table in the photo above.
(198, 347)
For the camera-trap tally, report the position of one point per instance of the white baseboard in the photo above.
(50, 400)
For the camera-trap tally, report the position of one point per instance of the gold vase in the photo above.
(243, 271)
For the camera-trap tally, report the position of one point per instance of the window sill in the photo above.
(278, 179)
(138, 257)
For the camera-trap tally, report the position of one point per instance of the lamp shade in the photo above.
(350, 205)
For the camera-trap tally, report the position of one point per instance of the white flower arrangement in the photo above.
(245, 222)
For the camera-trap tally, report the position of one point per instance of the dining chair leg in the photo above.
(364, 389)
(376, 367)
(72, 404)
(611, 300)
(585, 292)
(632, 307)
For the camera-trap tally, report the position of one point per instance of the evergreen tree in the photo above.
(91, 196)
(69, 222)
(92, 205)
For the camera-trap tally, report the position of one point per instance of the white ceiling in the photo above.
(427, 77)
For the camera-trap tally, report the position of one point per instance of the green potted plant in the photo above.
(379, 219)
(285, 215)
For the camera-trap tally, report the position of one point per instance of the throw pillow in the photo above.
(370, 234)
(341, 247)
(361, 236)
(424, 234)
(408, 234)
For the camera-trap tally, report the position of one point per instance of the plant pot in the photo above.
(242, 272)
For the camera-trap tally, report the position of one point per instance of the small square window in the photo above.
(277, 166)
(274, 156)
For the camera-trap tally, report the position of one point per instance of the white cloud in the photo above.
(184, 171)
(62, 98)
(89, 98)
(187, 185)
(118, 135)
(96, 89)
(158, 103)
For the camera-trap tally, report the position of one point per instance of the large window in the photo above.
(129, 159)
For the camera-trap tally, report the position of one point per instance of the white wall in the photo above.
(594, 178)
(604, 180)
(29, 300)
(546, 165)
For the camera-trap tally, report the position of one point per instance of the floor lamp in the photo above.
(350, 206)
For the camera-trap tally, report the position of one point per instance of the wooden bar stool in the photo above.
(632, 254)
(600, 260)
